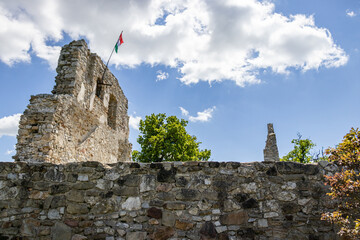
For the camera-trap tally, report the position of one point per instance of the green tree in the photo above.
(165, 139)
(345, 186)
(301, 151)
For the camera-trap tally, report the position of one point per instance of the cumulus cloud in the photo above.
(9, 152)
(350, 13)
(184, 112)
(9, 125)
(203, 116)
(161, 75)
(134, 122)
(205, 40)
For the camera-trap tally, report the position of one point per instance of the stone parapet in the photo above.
(191, 200)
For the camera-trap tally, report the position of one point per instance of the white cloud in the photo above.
(350, 13)
(161, 75)
(134, 122)
(203, 116)
(9, 125)
(205, 40)
(184, 112)
(9, 152)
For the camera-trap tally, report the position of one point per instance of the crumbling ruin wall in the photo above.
(192, 200)
(85, 119)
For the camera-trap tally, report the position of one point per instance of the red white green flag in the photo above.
(119, 42)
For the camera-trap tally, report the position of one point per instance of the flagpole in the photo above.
(106, 67)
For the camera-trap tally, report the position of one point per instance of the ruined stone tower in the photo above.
(85, 119)
(271, 152)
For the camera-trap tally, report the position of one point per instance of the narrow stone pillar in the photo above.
(271, 153)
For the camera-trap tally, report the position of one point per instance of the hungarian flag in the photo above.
(119, 42)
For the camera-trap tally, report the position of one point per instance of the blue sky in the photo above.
(229, 67)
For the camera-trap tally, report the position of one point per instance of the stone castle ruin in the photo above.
(72, 179)
(85, 119)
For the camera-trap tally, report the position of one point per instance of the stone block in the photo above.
(208, 231)
(78, 237)
(54, 214)
(188, 194)
(130, 180)
(237, 218)
(175, 205)
(166, 175)
(147, 183)
(60, 231)
(185, 226)
(132, 203)
(136, 236)
(77, 208)
(75, 196)
(29, 227)
(162, 233)
(154, 213)
(168, 219)
(126, 191)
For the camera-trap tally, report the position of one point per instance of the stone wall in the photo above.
(193, 200)
(85, 119)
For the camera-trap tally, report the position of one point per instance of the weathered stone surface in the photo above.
(162, 233)
(185, 226)
(71, 222)
(286, 196)
(126, 191)
(10, 193)
(288, 208)
(164, 187)
(130, 180)
(208, 231)
(166, 175)
(29, 227)
(153, 221)
(249, 203)
(105, 206)
(58, 201)
(75, 196)
(236, 218)
(147, 183)
(262, 223)
(83, 185)
(54, 214)
(78, 237)
(77, 208)
(168, 219)
(175, 205)
(54, 175)
(58, 188)
(132, 203)
(136, 236)
(60, 232)
(154, 212)
(187, 194)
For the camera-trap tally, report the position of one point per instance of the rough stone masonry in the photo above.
(176, 201)
(85, 119)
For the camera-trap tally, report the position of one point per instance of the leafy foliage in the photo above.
(301, 151)
(345, 186)
(165, 139)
